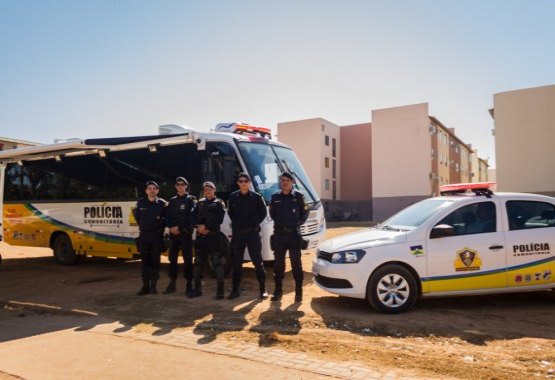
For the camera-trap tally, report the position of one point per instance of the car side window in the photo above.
(476, 218)
(530, 214)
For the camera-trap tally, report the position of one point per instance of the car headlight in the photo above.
(352, 256)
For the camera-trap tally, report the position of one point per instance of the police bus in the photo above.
(77, 196)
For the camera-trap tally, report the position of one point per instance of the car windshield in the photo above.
(265, 162)
(415, 215)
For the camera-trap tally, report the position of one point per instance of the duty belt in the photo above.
(244, 230)
(285, 230)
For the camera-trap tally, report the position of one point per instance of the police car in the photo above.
(468, 241)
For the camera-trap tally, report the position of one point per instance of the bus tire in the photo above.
(63, 250)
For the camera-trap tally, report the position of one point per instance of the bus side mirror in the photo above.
(441, 231)
(200, 141)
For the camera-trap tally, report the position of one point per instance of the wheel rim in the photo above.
(393, 290)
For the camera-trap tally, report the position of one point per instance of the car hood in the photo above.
(366, 238)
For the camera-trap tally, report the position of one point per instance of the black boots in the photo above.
(278, 292)
(234, 292)
(145, 289)
(153, 289)
(189, 289)
(263, 293)
(197, 291)
(220, 291)
(171, 287)
(298, 293)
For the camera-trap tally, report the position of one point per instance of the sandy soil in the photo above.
(487, 337)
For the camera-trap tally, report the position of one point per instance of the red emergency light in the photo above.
(475, 187)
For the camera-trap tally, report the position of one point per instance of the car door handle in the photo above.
(494, 247)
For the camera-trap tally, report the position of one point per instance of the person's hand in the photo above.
(174, 230)
(201, 229)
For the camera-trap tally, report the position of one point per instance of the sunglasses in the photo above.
(243, 181)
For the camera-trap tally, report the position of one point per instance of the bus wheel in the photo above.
(63, 251)
(392, 289)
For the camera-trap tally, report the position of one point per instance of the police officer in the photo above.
(149, 214)
(179, 220)
(289, 211)
(246, 210)
(208, 216)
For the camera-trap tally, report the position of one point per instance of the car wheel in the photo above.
(392, 289)
(63, 250)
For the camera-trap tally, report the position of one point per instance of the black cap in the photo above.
(182, 179)
(148, 183)
(288, 175)
(209, 184)
(244, 175)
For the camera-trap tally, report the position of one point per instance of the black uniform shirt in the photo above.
(210, 213)
(288, 210)
(246, 211)
(180, 212)
(150, 215)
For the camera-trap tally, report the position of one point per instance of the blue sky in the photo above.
(98, 68)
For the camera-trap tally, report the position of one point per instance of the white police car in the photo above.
(467, 241)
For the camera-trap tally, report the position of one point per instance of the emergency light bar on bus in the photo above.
(241, 128)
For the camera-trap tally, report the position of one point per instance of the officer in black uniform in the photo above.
(246, 210)
(179, 219)
(209, 215)
(149, 214)
(289, 211)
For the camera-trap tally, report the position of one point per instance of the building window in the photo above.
(333, 168)
(327, 140)
(333, 147)
(323, 127)
(327, 162)
(327, 184)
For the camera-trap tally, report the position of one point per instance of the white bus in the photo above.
(76, 197)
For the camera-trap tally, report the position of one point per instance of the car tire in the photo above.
(63, 251)
(392, 289)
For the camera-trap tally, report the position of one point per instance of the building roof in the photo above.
(16, 141)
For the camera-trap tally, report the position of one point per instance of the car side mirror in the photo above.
(441, 231)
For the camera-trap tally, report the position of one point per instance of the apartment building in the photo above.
(413, 154)
(378, 168)
(524, 137)
(316, 143)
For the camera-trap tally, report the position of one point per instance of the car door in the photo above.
(473, 256)
(530, 240)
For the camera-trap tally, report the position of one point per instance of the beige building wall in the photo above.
(524, 140)
(465, 164)
(401, 158)
(308, 140)
(443, 153)
(356, 162)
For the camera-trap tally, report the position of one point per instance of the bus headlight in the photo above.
(352, 256)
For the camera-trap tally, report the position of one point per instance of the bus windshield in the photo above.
(265, 162)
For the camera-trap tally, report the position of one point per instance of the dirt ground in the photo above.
(486, 337)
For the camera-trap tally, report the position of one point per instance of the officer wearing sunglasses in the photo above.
(247, 210)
